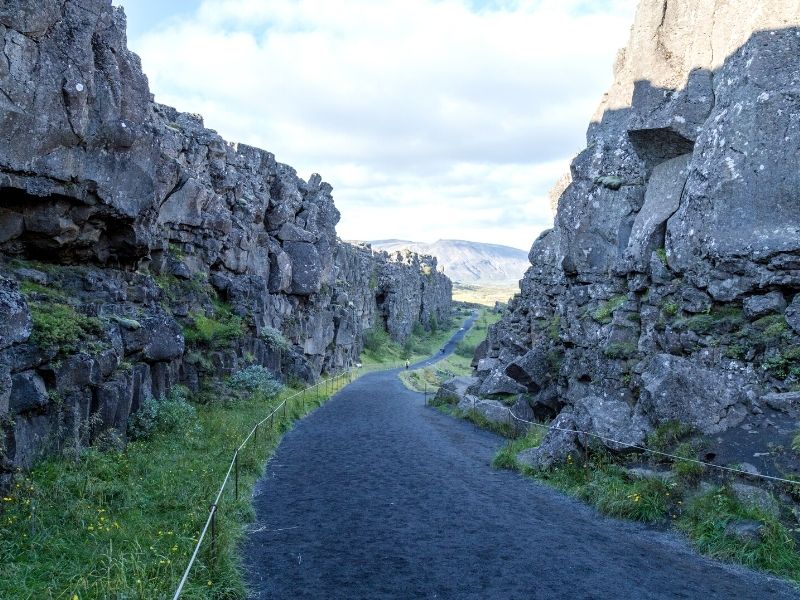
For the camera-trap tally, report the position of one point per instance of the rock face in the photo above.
(139, 249)
(667, 289)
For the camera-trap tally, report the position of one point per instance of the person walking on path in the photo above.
(407, 363)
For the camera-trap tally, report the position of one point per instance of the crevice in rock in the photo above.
(655, 146)
(60, 229)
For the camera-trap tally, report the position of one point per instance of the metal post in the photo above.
(236, 465)
(255, 436)
(213, 532)
(426, 393)
(303, 398)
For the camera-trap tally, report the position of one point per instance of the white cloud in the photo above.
(431, 118)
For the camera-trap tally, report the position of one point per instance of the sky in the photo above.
(431, 119)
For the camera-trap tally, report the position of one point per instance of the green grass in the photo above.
(123, 524)
(661, 253)
(31, 288)
(502, 428)
(687, 470)
(60, 325)
(666, 435)
(506, 457)
(216, 331)
(704, 521)
(607, 486)
(605, 311)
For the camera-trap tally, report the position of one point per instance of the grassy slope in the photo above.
(123, 524)
(604, 483)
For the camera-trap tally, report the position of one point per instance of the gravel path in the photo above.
(375, 495)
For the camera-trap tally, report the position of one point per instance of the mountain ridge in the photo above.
(468, 262)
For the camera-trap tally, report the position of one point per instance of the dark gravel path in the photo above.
(377, 496)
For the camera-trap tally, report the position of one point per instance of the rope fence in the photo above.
(331, 385)
(648, 450)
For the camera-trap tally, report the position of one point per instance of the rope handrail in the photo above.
(650, 450)
(233, 465)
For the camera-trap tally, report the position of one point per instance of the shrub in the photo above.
(684, 469)
(57, 324)
(554, 327)
(217, 331)
(619, 350)
(274, 338)
(433, 324)
(256, 378)
(465, 349)
(376, 338)
(671, 308)
(168, 415)
(784, 364)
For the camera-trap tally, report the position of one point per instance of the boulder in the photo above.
(532, 370)
(766, 304)
(160, 338)
(788, 402)
(680, 389)
(661, 200)
(755, 497)
(556, 446)
(491, 410)
(480, 354)
(792, 314)
(615, 420)
(454, 390)
(746, 531)
(500, 383)
(28, 392)
(306, 268)
(16, 324)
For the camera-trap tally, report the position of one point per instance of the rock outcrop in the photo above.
(139, 249)
(667, 289)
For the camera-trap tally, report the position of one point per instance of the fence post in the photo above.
(426, 393)
(236, 468)
(213, 532)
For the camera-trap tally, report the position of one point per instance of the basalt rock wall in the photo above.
(139, 249)
(667, 289)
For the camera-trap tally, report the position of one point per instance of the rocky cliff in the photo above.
(138, 249)
(667, 289)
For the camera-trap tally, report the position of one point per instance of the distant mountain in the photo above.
(469, 262)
